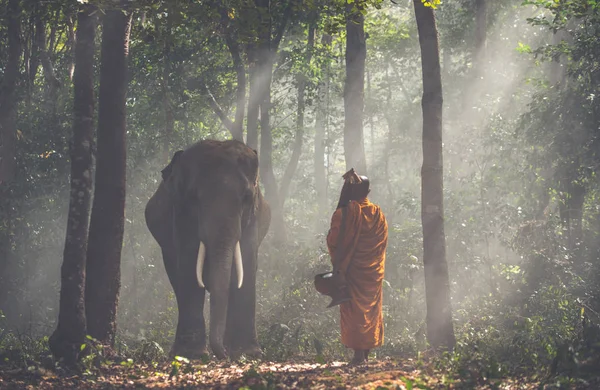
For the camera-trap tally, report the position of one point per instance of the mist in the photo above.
(493, 182)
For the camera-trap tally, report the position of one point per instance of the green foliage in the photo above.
(516, 144)
(431, 3)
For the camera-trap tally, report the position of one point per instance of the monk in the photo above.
(361, 261)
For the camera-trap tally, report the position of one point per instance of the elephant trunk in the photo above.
(237, 258)
(219, 275)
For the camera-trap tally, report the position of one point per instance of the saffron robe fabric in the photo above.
(363, 261)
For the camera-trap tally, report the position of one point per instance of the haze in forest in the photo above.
(504, 189)
(146, 295)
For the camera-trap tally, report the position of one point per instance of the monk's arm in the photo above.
(334, 231)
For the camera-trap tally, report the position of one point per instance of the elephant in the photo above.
(209, 217)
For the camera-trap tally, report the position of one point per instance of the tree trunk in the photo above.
(320, 125)
(290, 170)
(266, 157)
(480, 31)
(8, 133)
(107, 220)
(354, 87)
(440, 332)
(168, 104)
(265, 57)
(71, 330)
(237, 130)
(390, 142)
(38, 41)
(8, 103)
(253, 100)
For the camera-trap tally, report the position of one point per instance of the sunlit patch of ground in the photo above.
(381, 374)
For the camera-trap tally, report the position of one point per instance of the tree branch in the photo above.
(218, 110)
(287, 13)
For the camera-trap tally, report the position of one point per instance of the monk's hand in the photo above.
(339, 280)
(351, 177)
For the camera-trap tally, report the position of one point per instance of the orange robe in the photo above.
(363, 261)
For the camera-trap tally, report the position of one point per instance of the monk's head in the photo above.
(359, 191)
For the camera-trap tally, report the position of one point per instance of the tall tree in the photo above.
(71, 330)
(8, 102)
(288, 175)
(354, 87)
(8, 134)
(480, 28)
(107, 220)
(166, 90)
(321, 118)
(237, 126)
(260, 91)
(440, 331)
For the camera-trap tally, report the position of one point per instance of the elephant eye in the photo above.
(248, 195)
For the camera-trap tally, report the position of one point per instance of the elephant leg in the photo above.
(190, 336)
(170, 263)
(241, 314)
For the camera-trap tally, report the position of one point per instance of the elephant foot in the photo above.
(188, 352)
(253, 352)
(190, 347)
(219, 351)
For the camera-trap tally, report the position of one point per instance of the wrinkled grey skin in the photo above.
(210, 192)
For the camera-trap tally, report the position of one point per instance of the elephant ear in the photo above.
(172, 177)
(168, 170)
(248, 165)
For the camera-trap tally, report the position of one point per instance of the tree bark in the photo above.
(107, 220)
(265, 56)
(38, 41)
(480, 30)
(71, 330)
(253, 100)
(167, 103)
(320, 125)
(290, 170)
(8, 137)
(8, 103)
(354, 87)
(237, 126)
(440, 331)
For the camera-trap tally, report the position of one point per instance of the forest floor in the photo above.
(380, 374)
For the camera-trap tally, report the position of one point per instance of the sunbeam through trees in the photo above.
(170, 172)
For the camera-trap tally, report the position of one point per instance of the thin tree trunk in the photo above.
(107, 220)
(320, 125)
(38, 41)
(71, 330)
(253, 100)
(71, 41)
(267, 49)
(8, 103)
(390, 141)
(167, 103)
(237, 130)
(235, 127)
(266, 158)
(290, 170)
(480, 30)
(354, 87)
(440, 331)
(8, 138)
(370, 118)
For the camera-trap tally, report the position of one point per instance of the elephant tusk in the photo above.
(238, 264)
(200, 264)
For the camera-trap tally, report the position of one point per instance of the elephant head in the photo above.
(214, 195)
